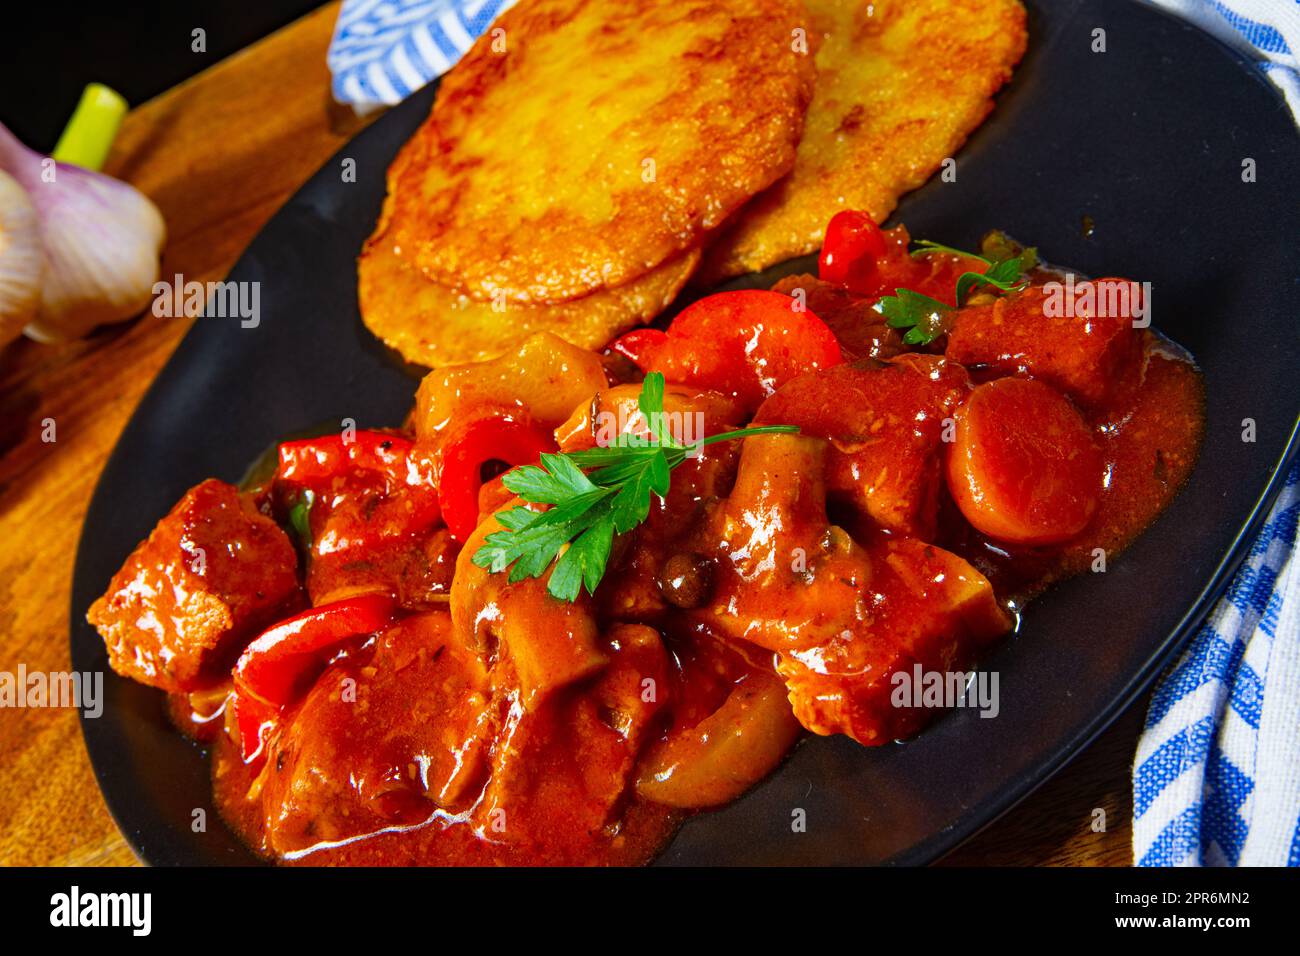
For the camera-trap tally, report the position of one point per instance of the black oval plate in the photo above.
(1147, 139)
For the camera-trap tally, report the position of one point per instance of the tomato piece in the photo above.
(273, 666)
(473, 443)
(1024, 466)
(1095, 359)
(853, 244)
(744, 344)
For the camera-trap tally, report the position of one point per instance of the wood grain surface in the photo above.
(219, 154)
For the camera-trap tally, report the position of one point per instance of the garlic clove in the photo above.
(22, 260)
(102, 240)
(101, 237)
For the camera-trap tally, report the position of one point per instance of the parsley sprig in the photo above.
(926, 318)
(589, 507)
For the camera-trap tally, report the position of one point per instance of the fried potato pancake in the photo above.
(900, 85)
(431, 325)
(608, 137)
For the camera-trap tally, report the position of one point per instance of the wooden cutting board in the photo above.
(220, 154)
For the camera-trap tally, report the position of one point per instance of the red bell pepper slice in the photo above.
(470, 445)
(313, 461)
(271, 671)
(745, 344)
(255, 721)
(850, 253)
(273, 665)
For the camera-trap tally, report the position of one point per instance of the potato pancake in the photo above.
(900, 85)
(431, 325)
(580, 144)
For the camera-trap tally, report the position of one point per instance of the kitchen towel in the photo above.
(385, 50)
(1216, 777)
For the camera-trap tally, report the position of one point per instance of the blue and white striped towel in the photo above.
(1216, 779)
(385, 50)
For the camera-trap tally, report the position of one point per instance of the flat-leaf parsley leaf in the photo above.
(589, 507)
(926, 318)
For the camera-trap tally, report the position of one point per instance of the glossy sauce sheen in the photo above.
(349, 787)
(491, 724)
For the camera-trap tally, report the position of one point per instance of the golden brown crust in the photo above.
(529, 177)
(433, 326)
(900, 85)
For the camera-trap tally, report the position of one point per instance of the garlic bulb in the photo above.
(22, 261)
(101, 239)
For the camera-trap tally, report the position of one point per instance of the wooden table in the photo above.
(219, 154)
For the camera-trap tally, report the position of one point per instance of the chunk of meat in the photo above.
(544, 643)
(561, 772)
(636, 685)
(1087, 355)
(384, 738)
(351, 553)
(211, 574)
(929, 609)
(842, 618)
(885, 424)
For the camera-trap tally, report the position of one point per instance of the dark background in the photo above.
(139, 49)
